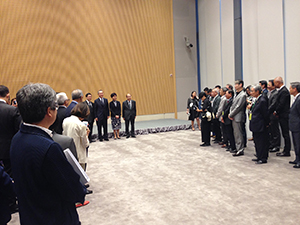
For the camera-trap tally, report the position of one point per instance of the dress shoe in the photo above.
(293, 162)
(118, 137)
(89, 191)
(261, 162)
(92, 141)
(133, 136)
(100, 139)
(205, 144)
(127, 136)
(283, 154)
(274, 149)
(233, 151)
(106, 139)
(87, 185)
(297, 166)
(239, 153)
(255, 160)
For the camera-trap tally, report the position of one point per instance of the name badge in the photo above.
(250, 116)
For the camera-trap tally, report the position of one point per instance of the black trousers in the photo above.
(91, 130)
(230, 136)
(224, 134)
(261, 145)
(274, 134)
(102, 124)
(244, 134)
(217, 129)
(205, 131)
(131, 122)
(284, 126)
(296, 141)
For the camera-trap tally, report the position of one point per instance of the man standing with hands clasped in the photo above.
(294, 121)
(129, 114)
(101, 114)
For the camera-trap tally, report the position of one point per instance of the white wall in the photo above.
(263, 45)
(216, 39)
(292, 26)
(184, 14)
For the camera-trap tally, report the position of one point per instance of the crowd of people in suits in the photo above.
(223, 113)
(36, 127)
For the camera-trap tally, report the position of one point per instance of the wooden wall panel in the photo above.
(115, 45)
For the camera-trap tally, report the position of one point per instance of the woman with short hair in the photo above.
(192, 106)
(76, 129)
(115, 113)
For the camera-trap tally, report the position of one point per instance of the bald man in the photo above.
(282, 110)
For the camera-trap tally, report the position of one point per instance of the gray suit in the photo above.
(221, 107)
(238, 113)
(65, 142)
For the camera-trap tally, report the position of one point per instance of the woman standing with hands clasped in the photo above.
(205, 113)
(192, 106)
(115, 111)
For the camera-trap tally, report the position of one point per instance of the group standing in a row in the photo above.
(223, 113)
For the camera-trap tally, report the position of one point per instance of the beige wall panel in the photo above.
(292, 26)
(115, 45)
(227, 20)
(210, 47)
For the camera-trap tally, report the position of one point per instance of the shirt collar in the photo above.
(297, 95)
(49, 132)
(1, 100)
(278, 89)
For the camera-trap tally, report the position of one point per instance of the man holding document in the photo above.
(46, 184)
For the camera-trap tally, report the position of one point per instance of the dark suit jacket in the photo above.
(260, 115)
(65, 142)
(226, 110)
(70, 107)
(294, 120)
(6, 191)
(91, 117)
(127, 113)
(115, 110)
(101, 109)
(272, 104)
(283, 103)
(206, 106)
(10, 121)
(61, 115)
(46, 184)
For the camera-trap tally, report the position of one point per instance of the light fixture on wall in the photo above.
(187, 42)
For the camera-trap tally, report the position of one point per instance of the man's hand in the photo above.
(117, 117)
(230, 117)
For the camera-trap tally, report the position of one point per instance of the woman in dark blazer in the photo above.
(205, 119)
(115, 113)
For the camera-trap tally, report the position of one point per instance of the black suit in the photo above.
(61, 115)
(259, 120)
(205, 124)
(274, 133)
(10, 121)
(101, 113)
(129, 114)
(295, 126)
(90, 118)
(282, 111)
(115, 110)
(228, 124)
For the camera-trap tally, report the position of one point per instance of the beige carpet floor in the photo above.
(166, 178)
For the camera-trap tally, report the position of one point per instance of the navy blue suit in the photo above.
(6, 192)
(101, 112)
(47, 186)
(258, 125)
(10, 121)
(70, 107)
(294, 124)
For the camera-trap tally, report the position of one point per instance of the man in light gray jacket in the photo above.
(237, 114)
